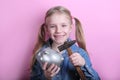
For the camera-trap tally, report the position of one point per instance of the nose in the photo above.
(58, 29)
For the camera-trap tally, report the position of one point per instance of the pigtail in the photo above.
(80, 35)
(39, 44)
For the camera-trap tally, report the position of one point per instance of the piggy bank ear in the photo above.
(46, 52)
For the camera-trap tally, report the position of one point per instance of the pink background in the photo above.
(20, 21)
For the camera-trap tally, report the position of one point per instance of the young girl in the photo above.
(58, 25)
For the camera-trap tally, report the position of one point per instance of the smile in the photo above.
(59, 36)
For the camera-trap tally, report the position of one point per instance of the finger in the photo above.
(44, 66)
(51, 67)
(75, 55)
(54, 69)
(73, 58)
(76, 63)
(53, 74)
(58, 69)
(72, 55)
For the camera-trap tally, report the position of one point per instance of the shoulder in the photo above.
(47, 44)
(78, 49)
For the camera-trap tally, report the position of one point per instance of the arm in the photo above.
(37, 72)
(89, 72)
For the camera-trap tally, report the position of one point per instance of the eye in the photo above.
(52, 26)
(64, 25)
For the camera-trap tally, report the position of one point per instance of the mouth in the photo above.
(59, 36)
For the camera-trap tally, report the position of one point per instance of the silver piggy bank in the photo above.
(49, 55)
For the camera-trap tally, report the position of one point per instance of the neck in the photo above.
(55, 46)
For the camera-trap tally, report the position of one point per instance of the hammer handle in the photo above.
(81, 74)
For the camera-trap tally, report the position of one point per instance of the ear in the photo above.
(46, 29)
(71, 26)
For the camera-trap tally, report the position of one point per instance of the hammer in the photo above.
(66, 46)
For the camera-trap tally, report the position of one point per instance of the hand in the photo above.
(77, 59)
(51, 71)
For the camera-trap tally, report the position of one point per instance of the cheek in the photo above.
(68, 31)
(50, 32)
(47, 32)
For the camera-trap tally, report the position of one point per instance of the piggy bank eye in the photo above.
(46, 52)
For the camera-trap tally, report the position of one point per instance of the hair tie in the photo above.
(72, 17)
(73, 20)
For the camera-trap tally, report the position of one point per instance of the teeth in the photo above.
(58, 35)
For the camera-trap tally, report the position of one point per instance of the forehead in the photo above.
(57, 18)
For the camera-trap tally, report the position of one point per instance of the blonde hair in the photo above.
(41, 35)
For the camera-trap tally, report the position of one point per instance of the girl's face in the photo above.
(58, 28)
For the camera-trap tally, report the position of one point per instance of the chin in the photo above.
(60, 42)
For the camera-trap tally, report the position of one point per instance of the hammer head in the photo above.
(66, 45)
